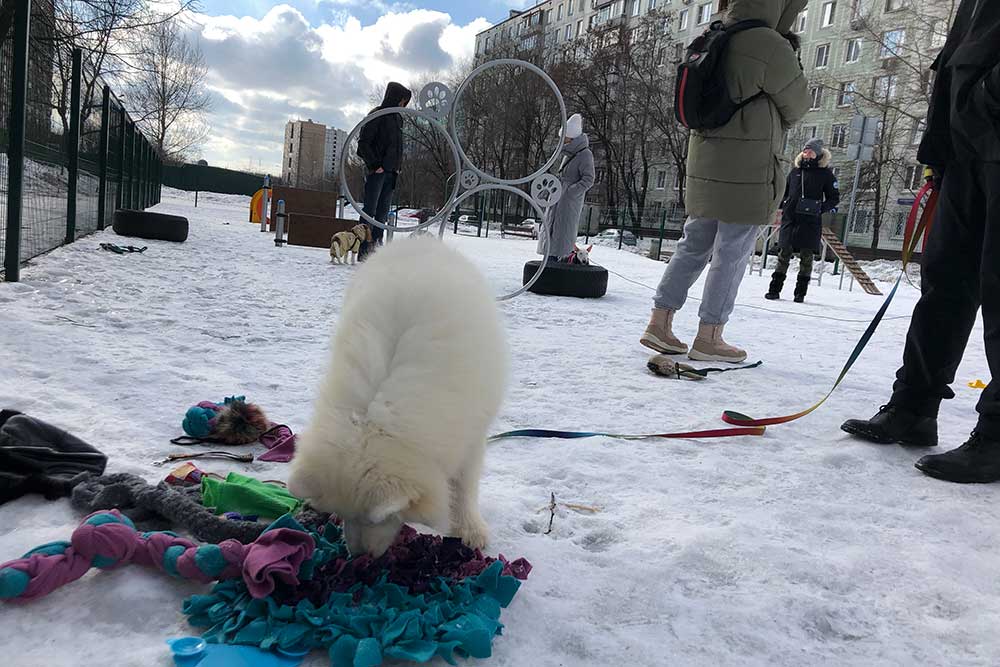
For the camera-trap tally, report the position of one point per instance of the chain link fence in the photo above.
(70, 153)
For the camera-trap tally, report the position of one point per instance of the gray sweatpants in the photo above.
(728, 246)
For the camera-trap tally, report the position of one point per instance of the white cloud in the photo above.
(264, 71)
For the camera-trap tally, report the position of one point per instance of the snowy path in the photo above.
(799, 548)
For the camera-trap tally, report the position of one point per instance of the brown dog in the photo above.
(349, 243)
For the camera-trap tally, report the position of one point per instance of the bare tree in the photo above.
(102, 30)
(895, 90)
(167, 91)
(614, 76)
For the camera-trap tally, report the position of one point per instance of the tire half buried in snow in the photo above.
(147, 225)
(585, 281)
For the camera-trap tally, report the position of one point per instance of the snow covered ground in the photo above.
(799, 548)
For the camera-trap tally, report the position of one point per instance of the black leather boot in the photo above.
(894, 424)
(975, 462)
(801, 287)
(774, 291)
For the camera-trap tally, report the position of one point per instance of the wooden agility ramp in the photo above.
(845, 256)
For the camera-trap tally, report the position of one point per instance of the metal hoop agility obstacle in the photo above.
(439, 106)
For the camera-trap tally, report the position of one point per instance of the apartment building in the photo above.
(336, 141)
(311, 155)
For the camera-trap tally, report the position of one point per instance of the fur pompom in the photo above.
(240, 423)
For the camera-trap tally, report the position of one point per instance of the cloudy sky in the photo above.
(320, 59)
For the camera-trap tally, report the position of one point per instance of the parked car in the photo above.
(469, 219)
(535, 226)
(424, 214)
(628, 238)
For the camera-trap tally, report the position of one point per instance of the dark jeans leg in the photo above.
(374, 184)
(384, 201)
(950, 286)
(989, 403)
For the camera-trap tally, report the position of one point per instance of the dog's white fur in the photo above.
(417, 375)
(349, 243)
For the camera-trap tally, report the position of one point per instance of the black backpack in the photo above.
(701, 99)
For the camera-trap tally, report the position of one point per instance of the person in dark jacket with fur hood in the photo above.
(960, 270)
(381, 147)
(811, 191)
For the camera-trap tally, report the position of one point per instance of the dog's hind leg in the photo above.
(466, 521)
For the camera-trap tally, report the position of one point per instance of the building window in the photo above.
(685, 18)
(289, 163)
(914, 178)
(291, 148)
(892, 43)
(636, 7)
(569, 32)
(559, 13)
(917, 133)
(927, 78)
(829, 14)
(845, 97)
(569, 8)
(816, 98)
(839, 138)
(884, 88)
(939, 33)
(633, 35)
(811, 131)
(801, 21)
(853, 51)
(704, 14)
(677, 180)
(661, 57)
(678, 52)
(651, 6)
(822, 56)
(661, 180)
(579, 28)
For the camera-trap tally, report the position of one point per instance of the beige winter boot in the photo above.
(659, 335)
(709, 346)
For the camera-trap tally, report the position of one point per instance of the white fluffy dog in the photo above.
(417, 375)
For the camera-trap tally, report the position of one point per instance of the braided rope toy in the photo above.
(107, 540)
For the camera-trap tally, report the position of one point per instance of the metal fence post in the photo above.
(73, 145)
(663, 225)
(102, 160)
(15, 149)
(621, 230)
(122, 126)
(279, 224)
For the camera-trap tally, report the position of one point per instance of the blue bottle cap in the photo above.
(185, 647)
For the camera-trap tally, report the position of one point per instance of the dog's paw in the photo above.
(474, 534)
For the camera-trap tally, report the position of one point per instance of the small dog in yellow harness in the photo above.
(349, 243)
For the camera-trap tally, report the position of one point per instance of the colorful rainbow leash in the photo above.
(742, 424)
(913, 232)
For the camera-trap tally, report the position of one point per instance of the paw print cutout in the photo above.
(546, 190)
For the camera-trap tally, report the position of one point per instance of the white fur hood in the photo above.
(825, 159)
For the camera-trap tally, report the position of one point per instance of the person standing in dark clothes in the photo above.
(811, 191)
(380, 146)
(961, 265)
